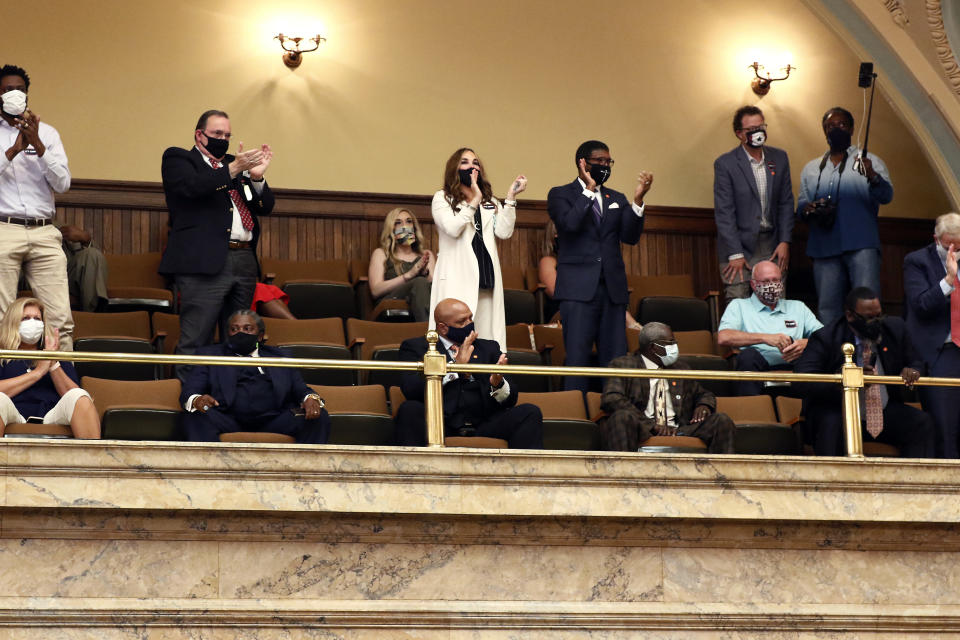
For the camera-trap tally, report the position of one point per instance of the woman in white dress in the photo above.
(469, 219)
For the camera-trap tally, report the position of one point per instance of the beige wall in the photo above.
(400, 84)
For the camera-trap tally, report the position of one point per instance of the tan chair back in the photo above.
(748, 409)
(518, 336)
(170, 324)
(136, 270)
(312, 331)
(133, 394)
(788, 409)
(129, 324)
(562, 405)
(368, 398)
(306, 271)
(376, 334)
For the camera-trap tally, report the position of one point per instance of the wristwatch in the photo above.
(314, 396)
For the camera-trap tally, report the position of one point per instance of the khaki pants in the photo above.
(62, 412)
(39, 252)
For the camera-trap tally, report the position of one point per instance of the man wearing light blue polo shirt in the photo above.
(770, 331)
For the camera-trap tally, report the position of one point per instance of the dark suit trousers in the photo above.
(521, 426)
(904, 427)
(206, 300)
(207, 426)
(752, 360)
(943, 403)
(600, 321)
(626, 430)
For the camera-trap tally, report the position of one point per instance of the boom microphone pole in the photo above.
(867, 78)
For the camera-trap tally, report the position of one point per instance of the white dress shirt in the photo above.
(28, 183)
(237, 232)
(595, 195)
(656, 384)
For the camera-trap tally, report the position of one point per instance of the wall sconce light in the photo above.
(761, 85)
(292, 57)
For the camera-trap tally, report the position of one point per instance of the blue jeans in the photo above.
(837, 275)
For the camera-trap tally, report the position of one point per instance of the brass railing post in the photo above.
(852, 376)
(434, 368)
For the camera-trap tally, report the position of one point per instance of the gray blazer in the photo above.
(736, 201)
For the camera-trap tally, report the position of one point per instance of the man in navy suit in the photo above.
(222, 399)
(473, 405)
(215, 200)
(752, 204)
(591, 222)
(932, 310)
(890, 352)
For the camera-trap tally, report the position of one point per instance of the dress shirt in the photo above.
(595, 195)
(655, 385)
(790, 317)
(237, 232)
(500, 394)
(28, 183)
(858, 204)
(759, 168)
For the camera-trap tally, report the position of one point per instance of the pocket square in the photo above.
(614, 205)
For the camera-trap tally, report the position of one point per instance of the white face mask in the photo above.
(671, 355)
(14, 102)
(31, 330)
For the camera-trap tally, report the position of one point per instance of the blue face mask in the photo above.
(457, 335)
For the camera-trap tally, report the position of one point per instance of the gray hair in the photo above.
(250, 313)
(947, 224)
(651, 332)
(753, 271)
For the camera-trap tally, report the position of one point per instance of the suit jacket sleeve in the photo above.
(262, 203)
(818, 357)
(617, 391)
(568, 211)
(413, 383)
(784, 203)
(923, 297)
(180, 176)
(198, 382)
(724, 208)
(631, 225)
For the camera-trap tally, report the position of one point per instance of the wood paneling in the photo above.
(130, 217)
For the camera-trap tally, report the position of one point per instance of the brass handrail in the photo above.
(435, 366)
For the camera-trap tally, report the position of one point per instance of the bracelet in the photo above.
(510, 203)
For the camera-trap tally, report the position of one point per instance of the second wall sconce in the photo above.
(292, 58)
(761, 85)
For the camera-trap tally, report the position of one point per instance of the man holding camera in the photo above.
(840, 197)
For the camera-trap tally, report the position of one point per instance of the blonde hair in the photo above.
(10, 325)
(389, 243)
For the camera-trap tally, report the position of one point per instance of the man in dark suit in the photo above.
(640, 408)
(932, 311)
(221, 399)
(591, 222)
(473, 405)
(889, 351)
(215, 200)
(752, 204)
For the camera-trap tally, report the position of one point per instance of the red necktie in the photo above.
(873, 399)
(955, 315)
(245, 218)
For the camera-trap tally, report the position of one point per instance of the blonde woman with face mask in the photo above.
(48, 390)
(401, 267)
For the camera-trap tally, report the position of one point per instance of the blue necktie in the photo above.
(597, 210)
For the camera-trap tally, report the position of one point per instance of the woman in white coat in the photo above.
(468, 265)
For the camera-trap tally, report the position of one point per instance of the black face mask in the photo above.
(869, 329)
(600, 173)
(243, 343)
(839, 139)
(466, 177)
(457, 335)
(216, 147)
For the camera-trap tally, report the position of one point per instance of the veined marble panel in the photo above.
(197, 476)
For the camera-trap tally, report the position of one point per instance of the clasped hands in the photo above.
(255, 161)
(465, 351)
(29, 127)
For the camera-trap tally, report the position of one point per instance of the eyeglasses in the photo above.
(665, 343)
(603, 162)
(217, 134)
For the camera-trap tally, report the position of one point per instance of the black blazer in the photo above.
(289, 390)
(926, 308)
(586, 249)
(824, 355)
(201, 212)
(484, 351)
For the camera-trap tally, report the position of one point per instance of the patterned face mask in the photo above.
(768, 292)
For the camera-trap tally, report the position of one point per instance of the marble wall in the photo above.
(140, 540)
